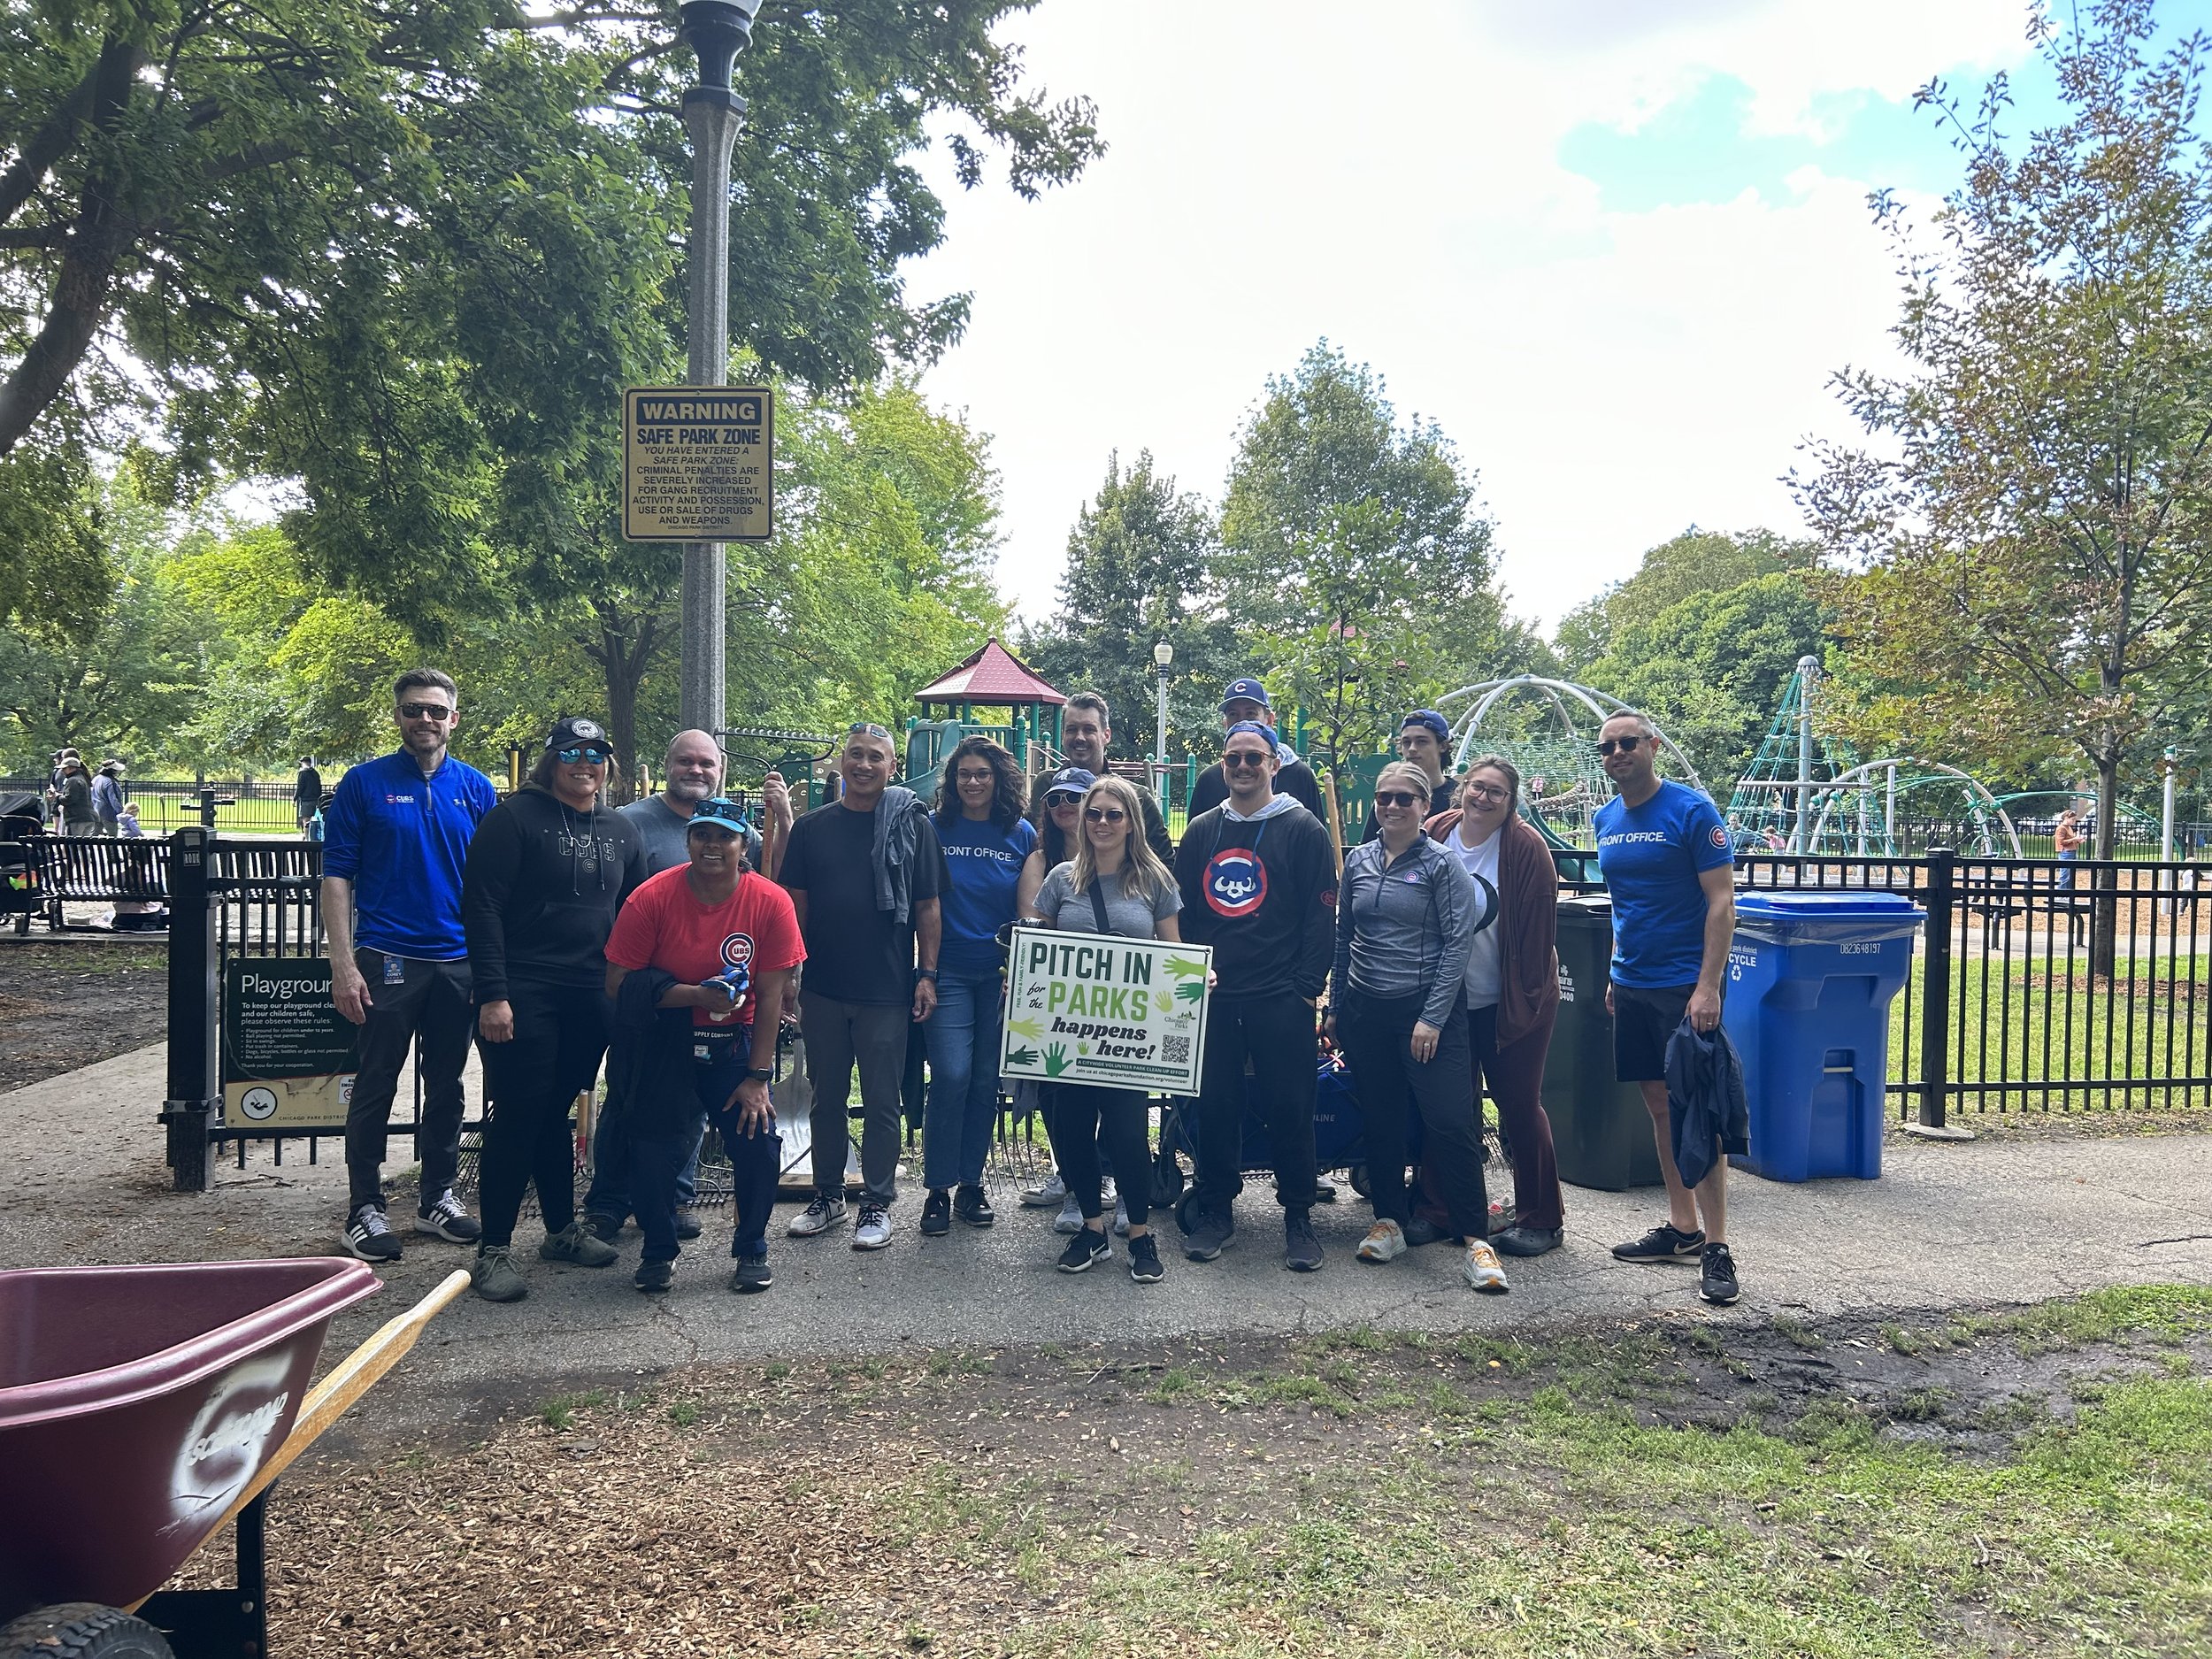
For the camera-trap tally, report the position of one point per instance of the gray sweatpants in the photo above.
(838, 1034)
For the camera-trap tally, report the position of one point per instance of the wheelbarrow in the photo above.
(141, 1409)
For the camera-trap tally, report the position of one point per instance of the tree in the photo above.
(1137, 572)
(1695, 562)
(2030, 553)
(1357, 553)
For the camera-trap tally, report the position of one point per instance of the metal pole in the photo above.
(1807, 671)
(1889, 816)
(1935, 1001)
(195, 1102)
(2166, 808)
(1159, 747)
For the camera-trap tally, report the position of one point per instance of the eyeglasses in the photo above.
(985, 776)
(1626, 745)
(597, 756)
(1395, 797)
(1104, 814)
(1488, 792)
(426, 712)
(1237, 762)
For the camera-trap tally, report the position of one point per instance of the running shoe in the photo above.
(826, 1211)
(1385, 1241)
(1665, 1242)
(370, 1238)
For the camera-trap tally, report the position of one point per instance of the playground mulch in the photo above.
(66, 1003)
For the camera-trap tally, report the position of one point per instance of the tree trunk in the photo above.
(623, 660)
(2104, 916)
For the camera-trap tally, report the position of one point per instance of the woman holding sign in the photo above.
(1115, 884)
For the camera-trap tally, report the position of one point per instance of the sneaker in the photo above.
(1421, 1231)
(1302, 1250)
(1084, 1248)
(874, 1231)
(571, 1243)
(1481, 1269)
(1665, 1242)
(1528, 1240)
(936, 1214)
(1385, 1241)
(1144, 1260)
(1210, 1229)
(1070, 1219)
(1717, 1275)
(606, 1229)
(1121, 1217)
(653, 1278)
(688, 1228)
(826, 1211)
(973, 1206)
(369, 1237)
(447, 1220)
(493, 1276)
(752, 1274)
(1053, 1191)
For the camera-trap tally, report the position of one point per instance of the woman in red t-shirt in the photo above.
(722, 941)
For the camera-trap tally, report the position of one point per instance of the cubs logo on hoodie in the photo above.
(1236, 882)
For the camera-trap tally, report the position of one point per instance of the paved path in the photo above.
(1998, 1220)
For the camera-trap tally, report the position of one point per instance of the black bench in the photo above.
(99, 870)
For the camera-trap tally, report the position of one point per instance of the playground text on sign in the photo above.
(1095, 1009)
(288, 1053)
(698, 462)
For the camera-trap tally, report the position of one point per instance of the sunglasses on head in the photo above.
(1626, 745)
(1396, 797)
(1238, 761)
(1104, 814)
(425, 712)
(591, 752)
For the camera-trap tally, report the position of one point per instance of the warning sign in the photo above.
(698, 462)
(287, 1054)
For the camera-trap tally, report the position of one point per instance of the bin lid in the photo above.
(1834, 917)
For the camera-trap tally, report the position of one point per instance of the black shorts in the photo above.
(1643, 1020)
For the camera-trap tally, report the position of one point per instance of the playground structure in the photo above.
(1774, 804)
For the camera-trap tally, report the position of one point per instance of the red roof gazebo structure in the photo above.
(995, 677)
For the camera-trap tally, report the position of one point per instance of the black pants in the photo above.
(560, 1037)
(430, 999)
(1083, 1120)
(1277, 1034)
(1392, 1085)
(661, 1138)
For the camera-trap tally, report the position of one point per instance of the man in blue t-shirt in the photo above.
(1668, 869)
(395, 840)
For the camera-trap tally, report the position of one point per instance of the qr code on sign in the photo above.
(1175, 1050)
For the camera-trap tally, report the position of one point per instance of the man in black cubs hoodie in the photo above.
(546, 872)
(1259, 886)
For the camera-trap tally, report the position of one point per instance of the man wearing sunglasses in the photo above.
(1423, 740)
(394, 843)
(1668, 869)
(1247, 700)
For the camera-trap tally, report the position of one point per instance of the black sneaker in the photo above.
(936, 1213)
(1665, 1242)
(1421, 1231)
(446, 1220)
(973, 1208)
(752, 1274)
(1144, 1260)
(1084, 1248)
(655, 1277)
(606, 1229)
(687, 1226)
(1210, 1229)
(368, 1237)
(1302, 1251)
(1717, 1276)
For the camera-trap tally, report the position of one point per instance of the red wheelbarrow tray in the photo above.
(136, 1402)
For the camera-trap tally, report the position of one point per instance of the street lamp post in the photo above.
(716, 31)
(1163, 654)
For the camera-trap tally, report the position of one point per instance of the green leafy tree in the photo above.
(1695, 562)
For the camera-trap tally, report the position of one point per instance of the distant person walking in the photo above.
(2067, 838)
(987, 841)
(546, 870)
(397, 839)
(1668, 869)
(80, 819)
(864, 873)
(107, 797)
(307, 794)
(1246, 699)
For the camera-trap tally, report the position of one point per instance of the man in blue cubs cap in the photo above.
(1246, 699)
(1425, 740)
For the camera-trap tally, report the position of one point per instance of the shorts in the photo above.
(1643, 1021)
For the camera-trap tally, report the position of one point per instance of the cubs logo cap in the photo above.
(576, 730)
(1245, 691)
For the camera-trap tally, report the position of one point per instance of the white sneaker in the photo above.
(874, 1231)
(1385, 1241)
(1121, 1217)
(1053, 1191)
(826, 1211)
(1070, 1220)
(1481, 1269)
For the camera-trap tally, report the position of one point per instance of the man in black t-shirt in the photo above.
(307, 793)
(1246, 699)
(865, 874)
(1086, 733)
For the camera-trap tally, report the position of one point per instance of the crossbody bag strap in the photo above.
(1098, 903)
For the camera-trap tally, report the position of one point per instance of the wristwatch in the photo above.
(928, 974)
(761, 1074)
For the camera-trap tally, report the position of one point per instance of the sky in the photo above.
(1615, 248)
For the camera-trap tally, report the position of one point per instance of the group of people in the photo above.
(668, 940)
(84, 802)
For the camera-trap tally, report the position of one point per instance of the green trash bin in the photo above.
(1599, 1126)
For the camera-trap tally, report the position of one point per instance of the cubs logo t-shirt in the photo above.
(667, 926)
(1651, 857)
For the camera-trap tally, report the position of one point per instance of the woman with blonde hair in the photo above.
(1115, 884)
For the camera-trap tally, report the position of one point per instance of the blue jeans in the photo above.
(659, 1143)
(610, 1178)
(963, 1045)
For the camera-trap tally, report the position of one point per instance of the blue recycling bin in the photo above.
(1811, 976)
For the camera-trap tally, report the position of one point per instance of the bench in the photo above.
(99, 870)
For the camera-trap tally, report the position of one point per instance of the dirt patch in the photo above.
(66, 1003)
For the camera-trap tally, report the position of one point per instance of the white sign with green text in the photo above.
(1109, 1011)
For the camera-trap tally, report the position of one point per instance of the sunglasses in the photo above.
(1396, 797)
(1626, 745)
(1104, 814)
(597, 756)
(1239, 762)
(425, 712)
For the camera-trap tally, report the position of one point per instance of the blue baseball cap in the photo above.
(1245, 691)
(1430, 719)
(1071, 780)
(719, 810)
(1252, 726)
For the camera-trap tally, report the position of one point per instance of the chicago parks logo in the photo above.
(1236, 882)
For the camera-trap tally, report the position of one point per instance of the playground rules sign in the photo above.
(698, 462)
(1108, 1011)
(288, 1053)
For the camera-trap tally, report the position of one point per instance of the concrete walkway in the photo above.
(1999, 1220)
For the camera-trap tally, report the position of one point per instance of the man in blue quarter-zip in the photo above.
(395, 840)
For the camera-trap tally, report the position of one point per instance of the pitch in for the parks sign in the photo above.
(1117, 1013)
(698, 462)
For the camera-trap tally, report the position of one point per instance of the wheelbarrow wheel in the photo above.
(1357, 1175)
(82, 1630)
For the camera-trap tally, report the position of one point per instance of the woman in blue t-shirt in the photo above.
(986, 841)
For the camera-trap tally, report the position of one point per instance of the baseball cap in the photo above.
(1430, 719)
(1245, 691)
(720, 811)
(1252, 726)
(1071, 780)
(577, 730)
